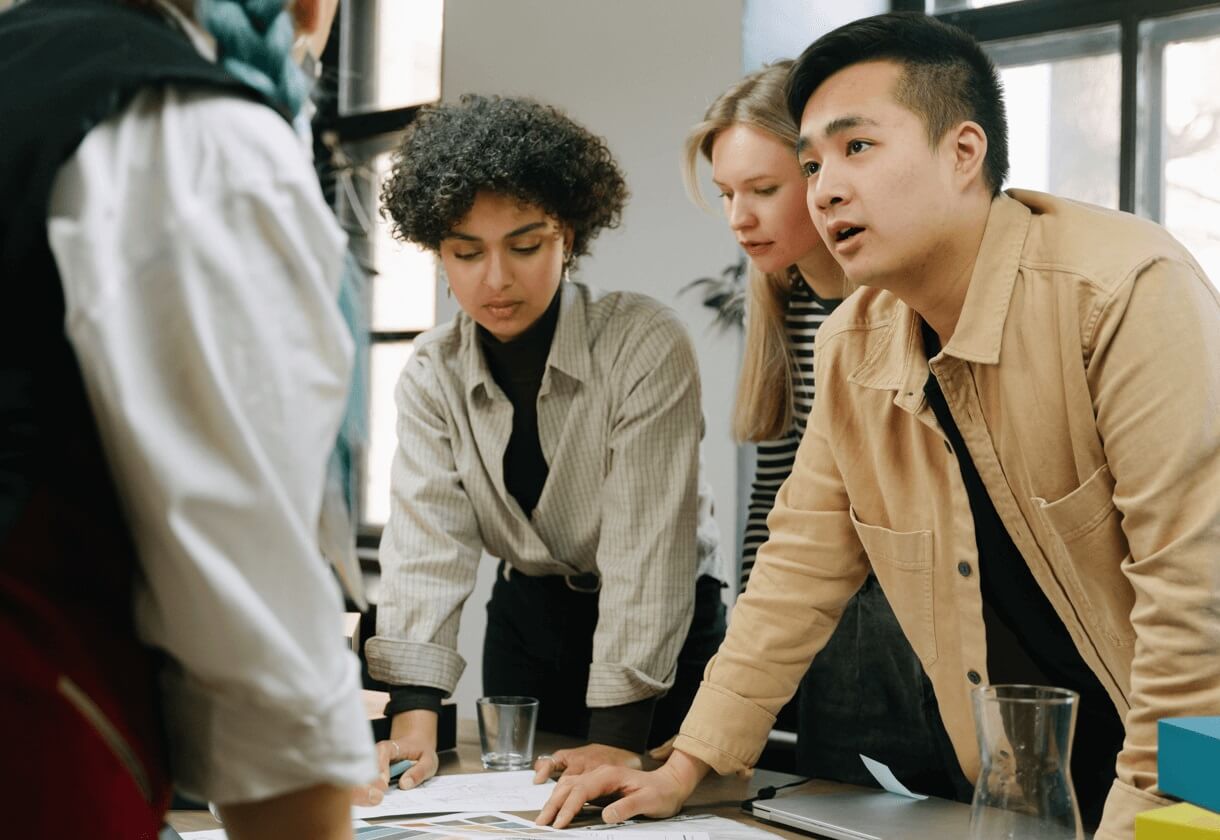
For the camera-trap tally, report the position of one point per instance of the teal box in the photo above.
(1188, 760)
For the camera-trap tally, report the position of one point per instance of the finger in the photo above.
(422, 771)
(367, 795)
(644, 801)
(546, 765)
(384, 749)
(571, 806)
(558, 796)
(662, 752)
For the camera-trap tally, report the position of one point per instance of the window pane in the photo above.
(385, 364)
(390, 55)
(958, 5)
(403, 294)
(1181, 148)
(1062, 92)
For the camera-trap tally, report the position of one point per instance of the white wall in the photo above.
(775, 29)
(640, 73)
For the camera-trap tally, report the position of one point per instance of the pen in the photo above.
(398, 768)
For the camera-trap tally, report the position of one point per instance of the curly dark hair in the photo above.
(510, 146)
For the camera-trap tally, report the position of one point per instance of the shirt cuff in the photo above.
(227, 747)
(399, 662)
(625, 727)
(724, 730)
(410, 698)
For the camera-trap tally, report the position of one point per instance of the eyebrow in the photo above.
(836, 126)
(749, 180)
(521, 231)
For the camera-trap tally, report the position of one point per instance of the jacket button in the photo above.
(974, 677)
(963, 569)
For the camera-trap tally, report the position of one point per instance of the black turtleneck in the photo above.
(517, 366)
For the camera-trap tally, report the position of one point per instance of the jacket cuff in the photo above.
(724, 729)
(399, 662)
(1122, 804)
(625, 727)
(230, 748)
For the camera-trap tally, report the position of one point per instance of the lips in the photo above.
(502, 308)
(754, 248)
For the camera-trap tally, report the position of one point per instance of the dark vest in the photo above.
(67, 564)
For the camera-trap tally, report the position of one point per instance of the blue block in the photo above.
(1188, 760)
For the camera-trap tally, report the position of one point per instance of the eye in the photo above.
(857, 146)
(725, 194)
(466, 257)
(810, 168)
(526, 249)
(767, 190)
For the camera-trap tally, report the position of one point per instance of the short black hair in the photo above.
(510, 146)
(947, 78)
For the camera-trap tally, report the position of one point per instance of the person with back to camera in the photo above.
(556, 428)
(174, 374)
(856, 696)
(1022, 396)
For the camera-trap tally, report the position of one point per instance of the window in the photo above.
(1110, 102)
(388, 55)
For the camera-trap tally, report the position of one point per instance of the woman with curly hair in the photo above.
(556, 428)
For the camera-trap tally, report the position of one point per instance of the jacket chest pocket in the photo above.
(902, 561)
(1090, 544)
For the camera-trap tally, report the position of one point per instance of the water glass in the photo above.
(1024, 789)
(506, 731)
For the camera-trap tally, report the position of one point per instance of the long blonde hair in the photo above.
(763, 410)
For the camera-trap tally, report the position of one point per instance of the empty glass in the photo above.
(1024, 790)
(506, 731)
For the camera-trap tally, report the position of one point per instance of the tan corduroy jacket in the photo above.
(1084, 376)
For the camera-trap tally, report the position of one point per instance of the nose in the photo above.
(741, 215)
(826, 190)
(496, 274)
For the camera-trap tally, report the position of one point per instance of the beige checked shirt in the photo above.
(619, 421)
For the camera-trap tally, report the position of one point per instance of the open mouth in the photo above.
(847, 233)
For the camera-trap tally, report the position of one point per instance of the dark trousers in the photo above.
(539, 643)
(866, 692)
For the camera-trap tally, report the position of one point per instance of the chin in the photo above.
(770, 265)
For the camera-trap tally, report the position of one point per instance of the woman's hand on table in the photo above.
(582, 760)
(659, 793)
(413, 738)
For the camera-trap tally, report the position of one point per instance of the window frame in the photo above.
(1026, 18)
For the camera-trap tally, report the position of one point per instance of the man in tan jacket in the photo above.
(1015, 427)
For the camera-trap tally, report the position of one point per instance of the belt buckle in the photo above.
(577, 583)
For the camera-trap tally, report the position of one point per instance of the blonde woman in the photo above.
(856, 697)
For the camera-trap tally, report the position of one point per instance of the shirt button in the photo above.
(974, 677)
(963, 569)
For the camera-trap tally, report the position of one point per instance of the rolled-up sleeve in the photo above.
(430, 549)
(647, 553)
(200, 266)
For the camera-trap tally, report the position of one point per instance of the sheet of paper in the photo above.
(219, 833)
(886, 778)
(688, 825)
(511, 791)
(489, 825)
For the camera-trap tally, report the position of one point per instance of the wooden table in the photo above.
(717, 795)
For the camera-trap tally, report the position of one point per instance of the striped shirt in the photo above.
(619, 421)
(806, 312)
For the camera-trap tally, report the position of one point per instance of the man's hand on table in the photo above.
(659, 793)
(412, 736)
(582, 760)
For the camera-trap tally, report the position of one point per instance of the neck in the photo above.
(936, 289)
(822, 273)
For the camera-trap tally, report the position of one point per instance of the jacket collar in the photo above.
(569, 347)
(898, 362)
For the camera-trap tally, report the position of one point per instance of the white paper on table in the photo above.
(886, 778)
(509, 791)
(688, 825)
(219, 833)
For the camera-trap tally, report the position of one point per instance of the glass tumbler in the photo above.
(506, 731)
(1024, 789)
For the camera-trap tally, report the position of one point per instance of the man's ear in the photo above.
(969, 149)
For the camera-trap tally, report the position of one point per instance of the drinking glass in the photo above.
(1024, 789)
(506, 731)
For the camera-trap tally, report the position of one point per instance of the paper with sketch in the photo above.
(486, 826)
(683, 826)
(511, 791)
(886, 778)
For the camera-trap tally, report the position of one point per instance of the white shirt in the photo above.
(200, 267)
(619, 423)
